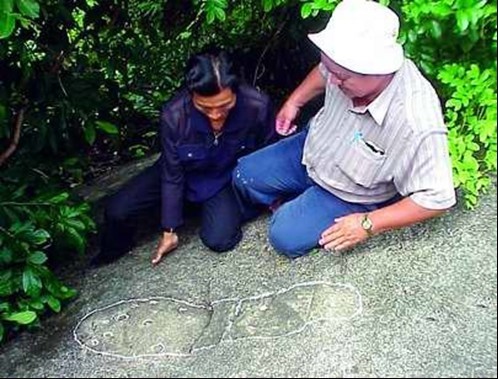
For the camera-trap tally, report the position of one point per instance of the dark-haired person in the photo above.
(205, 128)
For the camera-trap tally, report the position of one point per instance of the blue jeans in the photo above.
(275, 173)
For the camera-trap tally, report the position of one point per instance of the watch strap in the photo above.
(367, 225)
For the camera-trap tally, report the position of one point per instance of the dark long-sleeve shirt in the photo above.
(195, 164)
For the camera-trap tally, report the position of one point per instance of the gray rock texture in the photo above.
(420, 302)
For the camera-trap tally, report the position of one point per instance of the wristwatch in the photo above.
(367, 225)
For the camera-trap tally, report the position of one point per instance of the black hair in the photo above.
(207, 74)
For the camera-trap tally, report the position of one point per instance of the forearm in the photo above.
(312, 86)
(401, 214)
(172, 188)
(171, 206)
(172, 179)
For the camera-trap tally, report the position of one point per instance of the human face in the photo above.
(216, 107)
(358, 87)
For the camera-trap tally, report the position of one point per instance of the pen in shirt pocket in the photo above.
(375, 148)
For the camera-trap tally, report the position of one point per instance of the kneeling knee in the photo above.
(239, 176)
(284, 243)
(220, 244)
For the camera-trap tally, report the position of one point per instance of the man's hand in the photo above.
(168, 243)
(345, 233)
(285, 119)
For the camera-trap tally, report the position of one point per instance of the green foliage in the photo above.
(448, 31)
(215, 10)
(29, 232)
(18, 10)
(454, 41)
(269, 5)
(471, 119)
(312, 8)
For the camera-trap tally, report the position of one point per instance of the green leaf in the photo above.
(306, 10)
(454, 103)
(7, 24)
(6, 6)
(5, 257)
(220, 3)
(62, 292)
(436, 29)
(69, 294)
(20, 228)
(76, 240)
(267, 5)
(37, 258)
(2, 331)
(12, 214)
(4, 307)
(31, 283)
(39, 237)
(76, 224)
(107, 127)
(60, 198)
(210, 16)
(36, 304)
(90, 134)
(6, 288)
(220, 14)
(462, 21)
(29, 8)
(23, 318)
(54, 303)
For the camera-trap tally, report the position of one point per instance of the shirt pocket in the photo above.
(362, 165)
(192, 156)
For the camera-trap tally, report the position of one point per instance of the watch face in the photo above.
(366, 224)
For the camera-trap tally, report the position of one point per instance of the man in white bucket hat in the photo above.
(374, 158)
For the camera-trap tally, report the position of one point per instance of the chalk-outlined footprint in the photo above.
(165, 326)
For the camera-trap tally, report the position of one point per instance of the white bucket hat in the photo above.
(361, 37)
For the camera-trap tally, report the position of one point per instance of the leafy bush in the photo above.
(30, 231)
(471, 119)
(454, 41)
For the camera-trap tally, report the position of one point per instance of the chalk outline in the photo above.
(210, 307)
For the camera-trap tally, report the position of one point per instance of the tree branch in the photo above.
(15, 138)
(275, 35)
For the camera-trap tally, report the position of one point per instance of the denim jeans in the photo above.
(276, 173)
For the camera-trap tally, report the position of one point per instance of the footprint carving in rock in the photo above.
(165, 326)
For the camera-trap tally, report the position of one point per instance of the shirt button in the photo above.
(190, 155)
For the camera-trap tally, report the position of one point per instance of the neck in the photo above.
(217, 129)
(366, 100)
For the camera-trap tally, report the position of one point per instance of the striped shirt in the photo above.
(395, 145)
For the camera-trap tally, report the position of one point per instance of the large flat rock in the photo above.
(420, 302)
